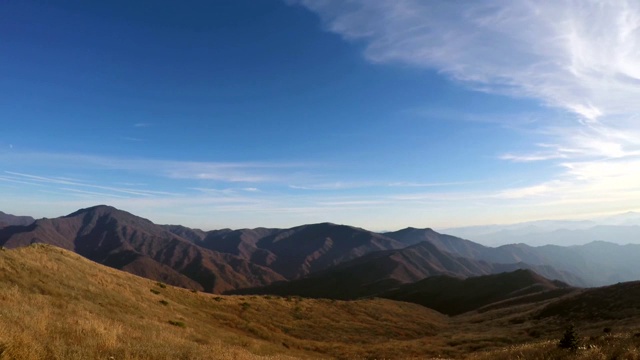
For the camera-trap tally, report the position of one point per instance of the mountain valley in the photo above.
(310, 291)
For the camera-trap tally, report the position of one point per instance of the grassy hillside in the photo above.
(54, 304)
(606, 347)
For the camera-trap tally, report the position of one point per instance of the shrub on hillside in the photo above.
(569, 339)
(177, 323)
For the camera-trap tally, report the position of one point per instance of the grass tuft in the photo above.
(177, 323)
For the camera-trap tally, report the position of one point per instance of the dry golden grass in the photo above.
(55, 304)
(610, 347)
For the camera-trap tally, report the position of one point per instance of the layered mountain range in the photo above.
(317, 260)
(620, 229)
(123, 241)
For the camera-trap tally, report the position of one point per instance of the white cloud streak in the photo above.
(582, 57)
(576, 55)
(240, 172)
(61, 181)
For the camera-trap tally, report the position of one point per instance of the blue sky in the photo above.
(380, 114)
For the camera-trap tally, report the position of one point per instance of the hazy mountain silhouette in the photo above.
(593, 264)
(124, 241)
(597, 263)
(620, 229)
(8, 220)
(448, 243)
(619, 234)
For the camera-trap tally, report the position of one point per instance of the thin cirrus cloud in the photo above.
(134, 139)
(43, 180)
(234, 172)
(332, 186)
(580, 57)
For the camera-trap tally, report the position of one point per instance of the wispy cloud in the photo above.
(238, 172)
(18, 181)
(337, 185)
(555, 50)
(433, 184)
(93, 193)
(518, 121)
(134, 139)
(530, 157)
(40, 180)
(580, 57)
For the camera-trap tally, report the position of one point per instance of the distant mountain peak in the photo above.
(8, 219)
(411, 228)
(108, 211)
(96, 208)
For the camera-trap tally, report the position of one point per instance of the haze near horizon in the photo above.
(378, 114)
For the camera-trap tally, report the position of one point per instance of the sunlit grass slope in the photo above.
(607, 347)
(54, 304)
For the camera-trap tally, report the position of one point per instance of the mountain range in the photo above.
(620, 229)
(123, 241)
(382, 271)
(317, 260)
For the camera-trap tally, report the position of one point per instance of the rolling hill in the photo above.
(453, 296)
(619, 302)
(55, 304)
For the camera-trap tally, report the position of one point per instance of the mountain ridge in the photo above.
(226, 260)
(382, 271)
(122, 240)
(453, 296)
